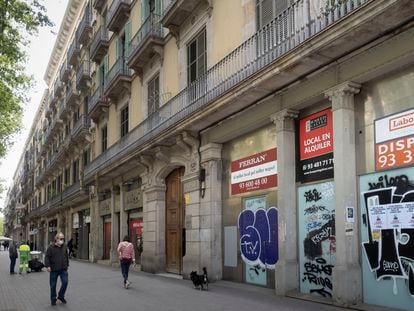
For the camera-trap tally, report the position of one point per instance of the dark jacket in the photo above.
(57, 258)
(13, 250)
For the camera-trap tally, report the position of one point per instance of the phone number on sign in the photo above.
(253, 184)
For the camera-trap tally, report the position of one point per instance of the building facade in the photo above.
(270, 141)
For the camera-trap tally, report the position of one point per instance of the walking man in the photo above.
(57, 263)
(13, 256)
(126, 256)
(24, 250)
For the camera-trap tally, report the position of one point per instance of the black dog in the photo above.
(199, 281)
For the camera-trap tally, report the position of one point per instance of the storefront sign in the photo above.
(255, 172)
(316, 147)
(394, 140)
(75, 220)
(136, 225)
(133, 199)
(105, 207)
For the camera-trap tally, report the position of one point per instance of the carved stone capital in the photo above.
(342, 95)
(284, 120)
(210, 152)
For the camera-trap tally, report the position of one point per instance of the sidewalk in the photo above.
(96, 287)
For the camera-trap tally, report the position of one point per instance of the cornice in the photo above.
(66, 29)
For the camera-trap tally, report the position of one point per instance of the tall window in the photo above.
(75, 171)
(66, 179)
(267, 10)
(104, 138)
(196, 57)
(124, 121)
(153, 95)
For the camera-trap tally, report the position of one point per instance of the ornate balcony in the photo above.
(176, 12)
(72, 97)
(64, 110)
(323, 32)
(48, 112)
(118, 14)
(118, 79)
(98, 5)
(98, 104)
(84, 31)
(146, 42)
(58, 88)
(73, 53)
(80, 131)
(99, 45)
(64, 71)
(83, 76)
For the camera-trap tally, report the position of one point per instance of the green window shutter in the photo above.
(106, 64)
(127, 37)
(144, 10)
(117, 51)
(158, 7)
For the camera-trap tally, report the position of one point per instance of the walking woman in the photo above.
(126, 257)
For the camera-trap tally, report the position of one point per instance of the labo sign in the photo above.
(394, 140)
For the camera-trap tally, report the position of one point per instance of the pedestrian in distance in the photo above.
(13, 256)
(57, 263)
(24, 250)
(6, 245)
(70, 247)
(126, 257)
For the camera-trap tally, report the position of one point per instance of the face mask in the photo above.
(60, 242)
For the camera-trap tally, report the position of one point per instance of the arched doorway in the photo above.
(174, 220)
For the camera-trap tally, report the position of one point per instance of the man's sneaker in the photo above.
(63, 300)
(127, 284)
(53, 303)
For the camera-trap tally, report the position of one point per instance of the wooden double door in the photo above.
(175, 213)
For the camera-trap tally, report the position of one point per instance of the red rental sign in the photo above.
(316, 135)
(255, 172)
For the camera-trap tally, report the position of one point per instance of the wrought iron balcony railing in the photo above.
(115, 80)
(141, 47)
(84, 31)
(118, 14)
(100, 44)
(83, 75)
(65, 71)
(284, 33)
(73, 52)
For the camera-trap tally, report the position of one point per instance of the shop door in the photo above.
(174, 221)
(107, 240)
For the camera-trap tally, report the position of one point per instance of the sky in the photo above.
(38, 57)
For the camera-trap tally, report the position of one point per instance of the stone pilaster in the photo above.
(123, 216)
(153, 255)
(287, 270)
(347, 279)
(96, 228)
(210, 212)
(114, 258)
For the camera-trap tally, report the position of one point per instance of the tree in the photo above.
(19, 20)
(1, 226)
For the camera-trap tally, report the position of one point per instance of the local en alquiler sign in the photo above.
(255, 172)
(392, 216)
(394, 140)
(316, 147)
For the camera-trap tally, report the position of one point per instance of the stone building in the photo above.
(270, 141)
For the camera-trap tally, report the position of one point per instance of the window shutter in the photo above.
(267, 12)
(144, 10)
(106, 65)
(117, 50)
(127, 37)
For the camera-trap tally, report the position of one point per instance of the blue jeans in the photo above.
(53, 281)
(125, 270)
(12, 264)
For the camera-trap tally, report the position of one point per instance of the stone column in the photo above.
(69, 229)
(153, 255)
(347, 280)
(114, 258)
(287, 270)
(123, 222)
(203, 216)
(96, 227)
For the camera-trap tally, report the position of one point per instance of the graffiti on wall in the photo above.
(258, 237)
(317, 233)
(388, 218)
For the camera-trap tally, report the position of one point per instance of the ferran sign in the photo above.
(316, 147)
(255, 172)
(394, 140)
